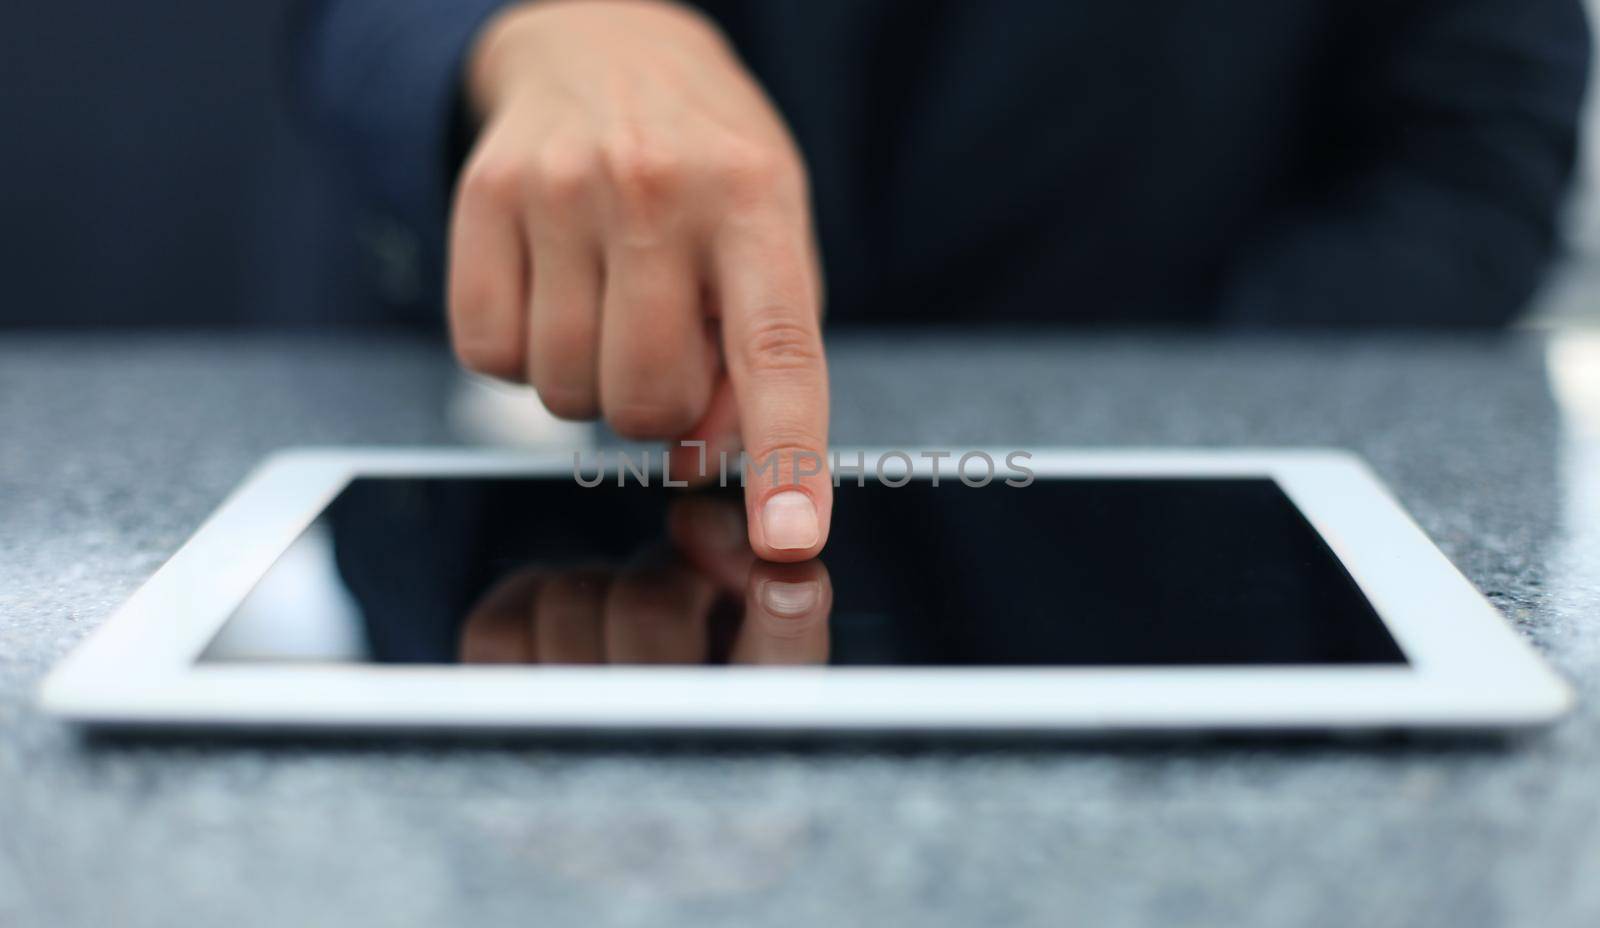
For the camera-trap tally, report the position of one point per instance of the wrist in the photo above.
(485, 60)
(509, 39)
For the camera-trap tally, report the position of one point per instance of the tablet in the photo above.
(1047, 592)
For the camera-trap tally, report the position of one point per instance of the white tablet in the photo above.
(1071, 592)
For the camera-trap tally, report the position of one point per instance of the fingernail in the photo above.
(790, 599)
(789, 521)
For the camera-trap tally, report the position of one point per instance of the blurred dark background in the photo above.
(152, 174)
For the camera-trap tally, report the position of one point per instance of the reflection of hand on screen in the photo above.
(658, 613)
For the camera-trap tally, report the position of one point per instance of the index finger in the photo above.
(772, 342)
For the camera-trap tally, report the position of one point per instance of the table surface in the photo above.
(113, 448)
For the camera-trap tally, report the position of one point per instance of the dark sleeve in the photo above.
(1449, 145)
(379, 82)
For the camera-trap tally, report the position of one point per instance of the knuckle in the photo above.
(777, 341)
(784, 443)
(565, 171)
(493, 179)
(754, 171)
(641, 174)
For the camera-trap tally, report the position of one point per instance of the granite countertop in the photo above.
(113, 448)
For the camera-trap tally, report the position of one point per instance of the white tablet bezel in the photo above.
(1468, 669)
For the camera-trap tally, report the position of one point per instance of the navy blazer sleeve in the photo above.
(1441, 207)
(381, 85)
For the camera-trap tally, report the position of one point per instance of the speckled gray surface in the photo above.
(113, 448)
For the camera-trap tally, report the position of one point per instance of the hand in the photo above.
(632, 235)
(658, 614)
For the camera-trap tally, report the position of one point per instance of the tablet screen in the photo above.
(1068, 572)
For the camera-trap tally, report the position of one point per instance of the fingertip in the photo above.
(791, 590)
(789, 524)
(787, 608)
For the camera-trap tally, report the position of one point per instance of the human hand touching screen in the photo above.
(710, 601)
(632, 236)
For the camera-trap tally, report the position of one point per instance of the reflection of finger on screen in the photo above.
(571, 618)
(499, 628)
(786, 615)
(657, 616)
(711, 535)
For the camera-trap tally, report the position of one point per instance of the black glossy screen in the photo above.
(1060, 572)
